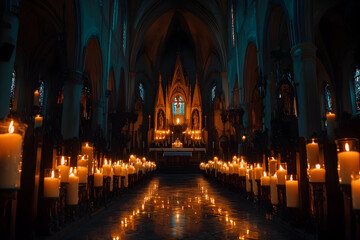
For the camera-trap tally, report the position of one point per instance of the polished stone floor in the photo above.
(182, 207)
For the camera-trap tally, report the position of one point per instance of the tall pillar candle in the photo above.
(265, 180)
(281, 173)
(64, 170)
(51, 186)
(38, 121)
(272, 166)
(72, 190)
(355, 193)
(292, 193)
(258, 170)
(331, 125)
(10, 157)
(312, 153)
(273, 190)
(83, 174)
(98, 178)
(349, 163)
(86, 149)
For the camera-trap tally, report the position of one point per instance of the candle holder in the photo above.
(318, 206)
(317, 174)
(348, 158)
(272, 164)
(83, 199)
(82, 161)
(62, 163)
(48, 219)
(292, 191)
(312, 152)
(51, 183)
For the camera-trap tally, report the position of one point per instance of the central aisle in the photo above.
(181, 207)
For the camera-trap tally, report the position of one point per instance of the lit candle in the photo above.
(82, 162)
(273, 190)
(98, 178)
(272, 166)
(258, 172)
(265, 180)
(83, 174)
(64, 171)
(292, 193)
(317, 174)
(36, 98)
(281, 173)
(242, 170)
(86, 149)
(331, 124)
(51, 186)
(312, 153)
(38, 121)
(72, 189)
(10, 158)
(117, 169)
(349, 162)
(106, 168)
(355, 193)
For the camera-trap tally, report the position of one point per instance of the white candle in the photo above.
(117, 169)
(273, 190)
(331, 124)
(82, 162)
(258, 172)
(292, 193)
(272, 166)
(281, 173)
(349, 163)
(83, 174)
(242, 170)
(355, 193)
(312, 153)
(248, 184)
(10, 159)
(51, 186)
(265, 180)
(88, 150)
(64, 171)
(98, 178)
(38, 121)
(72, 190)
(106, 169)
(36, 98)
(317, 174)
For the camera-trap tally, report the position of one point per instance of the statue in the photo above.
(161, 120)
(196, 119)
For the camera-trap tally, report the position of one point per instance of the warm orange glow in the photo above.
(347, 148)
(52, 174)
(291, 178)
(281, 168)
(243, 137)
(62, 160)
(177, 121)
(11, 127)
(317, 166)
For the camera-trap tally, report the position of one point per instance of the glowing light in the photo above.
(347, 148)
(317, 166)
(11, 127)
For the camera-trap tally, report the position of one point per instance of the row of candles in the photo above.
(72, 177)
(193, 134)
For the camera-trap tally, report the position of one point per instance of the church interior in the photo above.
(179, 119)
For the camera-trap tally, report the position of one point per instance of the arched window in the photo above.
(12, 89)
(213, 92)
(178, 106)
(328, 99)
(124, 32)
(357, 88)
(141, 91)
(43, 93)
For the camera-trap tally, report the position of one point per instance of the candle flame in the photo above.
(177, 120)
(281, 168)
(291, 178)
(347, 148)
(87, 145)
(71, 169)
(11, 127)
(317, 166)
(258, 165)
(97, 170)
(264, 174)
(62, 160)
(313, 142)
(52, 174)
(106, 162)
(275, 175)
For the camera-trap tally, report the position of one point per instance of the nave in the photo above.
(183, 206)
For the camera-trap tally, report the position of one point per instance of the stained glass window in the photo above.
(124, 33)
(213, 91)
(232, 25)
(42, 99)
(12, 89)
(141, 91)
(328, 100)
(357, 88)
(178, 106)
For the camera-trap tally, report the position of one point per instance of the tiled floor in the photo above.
(182, 207)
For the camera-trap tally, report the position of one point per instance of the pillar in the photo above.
(71, 105)
(225, 87)
(98, 113)
(304, 66)
(9, 29)
(131, 90)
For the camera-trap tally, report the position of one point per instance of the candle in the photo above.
(349, 162)
(312, 153)
(38, 121)
(255, 187)
(281, 173)
(117, 169)
(83, 174)
(98, 178)
(258, 172)
(106, 168)
(10, 158)
(355, 193)
(248, 184)
(273, 190)
(265, 180)
(51, 186)
(292, 193)
(86, 149)
(72, 189)
(242, 170)
(64, 171)
(36, 98)
(317, 174)
(331, 124)
(272, 166)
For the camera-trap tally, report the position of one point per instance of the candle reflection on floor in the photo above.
(177, 207)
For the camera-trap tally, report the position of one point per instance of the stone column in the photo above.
(98, 112)
(131, 90)
(225, 87)
(9, 28)
(71, 105)
(304, 66)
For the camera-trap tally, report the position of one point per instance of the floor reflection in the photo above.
(181, 207)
